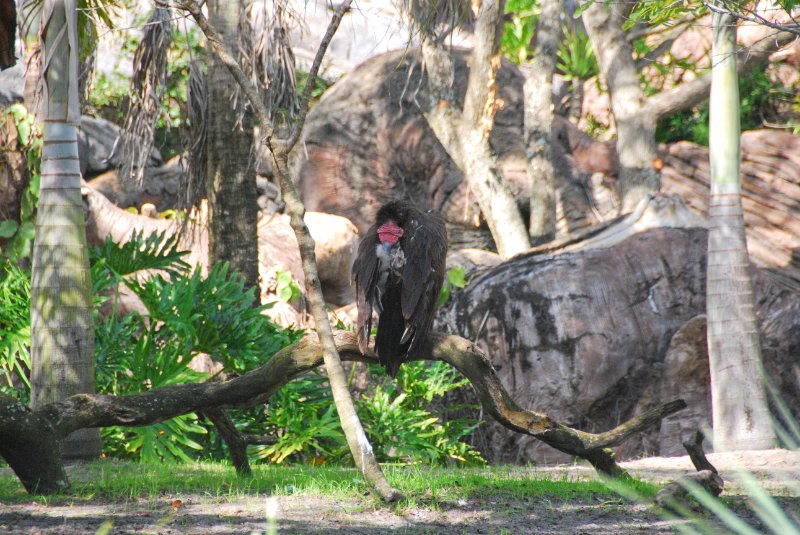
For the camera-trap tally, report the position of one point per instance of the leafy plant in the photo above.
(303, 419)
(20, 233)
(395, 415)
(320, 85)
(757, 91)
(15, 331)
(188, 314)
(456, 279)
(576, 59)
(518, 29)
(399, 424)
(133, 356)
(288, 290)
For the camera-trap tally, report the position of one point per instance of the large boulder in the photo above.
(96, 140)
(589, 336)
(367, 141)
(161, 186)
(12, 85)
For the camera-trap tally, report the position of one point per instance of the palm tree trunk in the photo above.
(62, 330)
(233, 211)
(740, 414)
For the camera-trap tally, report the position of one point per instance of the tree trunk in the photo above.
(740, 414)
(233, 211)
(360, 447)
(539, 124)
(465, 134)
(575, 108)
(62, 330)
(635, 129)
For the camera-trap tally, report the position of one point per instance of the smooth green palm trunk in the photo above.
(741, 416)
(62, 346)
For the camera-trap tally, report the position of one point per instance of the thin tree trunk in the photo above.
(232, 194)
(635, 130)
(575, 108)
(356, 438)
(538, 91)
(740, 413)
(62, 330)
(465, 134)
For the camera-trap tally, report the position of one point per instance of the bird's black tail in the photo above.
(391, 325)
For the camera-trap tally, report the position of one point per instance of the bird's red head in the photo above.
(389, 233)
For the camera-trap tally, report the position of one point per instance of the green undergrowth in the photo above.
(120, 481)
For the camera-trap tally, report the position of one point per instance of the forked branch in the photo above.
(21, 428)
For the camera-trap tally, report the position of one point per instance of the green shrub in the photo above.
(188, 315)
(518, 30)
(29, 140)
(302, 418)
(401, 427)
(15, 331)
(756, 94)
(395, 415)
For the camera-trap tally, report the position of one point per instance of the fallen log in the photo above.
(30, 440)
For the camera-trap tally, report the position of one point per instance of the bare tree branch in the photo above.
(742, 12)
(695, 92)
(297, 127)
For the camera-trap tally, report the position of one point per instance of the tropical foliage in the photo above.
(190, 316)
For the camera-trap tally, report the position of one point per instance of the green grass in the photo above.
(116, 481)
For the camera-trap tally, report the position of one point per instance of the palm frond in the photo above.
(148, 84)
(266, 54)
(158, 251)
(437, 19)
(195, 137)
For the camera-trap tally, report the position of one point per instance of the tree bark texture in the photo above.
(539, 124)
(62, 328)
(233, 211)
(583, 332)
(741, 416)
(8, 34)
(465, 134)
(14, 176)
(636, 143)
(47, 425)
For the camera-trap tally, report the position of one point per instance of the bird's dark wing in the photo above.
(425, 246)
(365, 277)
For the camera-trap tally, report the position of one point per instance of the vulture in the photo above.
(398, 272)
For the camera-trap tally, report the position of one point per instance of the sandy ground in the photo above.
(777, 471)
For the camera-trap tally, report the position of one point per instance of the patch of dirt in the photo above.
(777, 471)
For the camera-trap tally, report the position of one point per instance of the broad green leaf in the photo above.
(8, 228)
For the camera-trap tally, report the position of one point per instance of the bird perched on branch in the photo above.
(398, 273)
